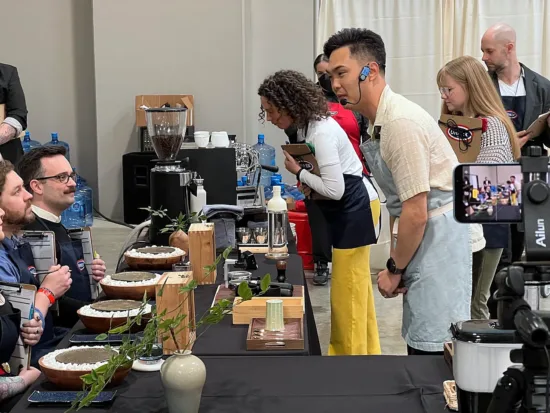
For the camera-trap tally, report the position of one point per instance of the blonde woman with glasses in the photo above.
(467, 90)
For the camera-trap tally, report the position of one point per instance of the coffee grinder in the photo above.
(169, 180)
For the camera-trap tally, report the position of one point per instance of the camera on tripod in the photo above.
(524, 387)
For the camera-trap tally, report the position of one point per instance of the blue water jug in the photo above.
(56, 142)
(88, 195)
(75, 215)
(267, 157)
(28, 143)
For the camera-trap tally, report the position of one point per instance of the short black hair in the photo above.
(362, 43)
(319, 59)
(29, 166)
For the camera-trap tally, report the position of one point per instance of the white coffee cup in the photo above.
(202, 138)
(220, 139)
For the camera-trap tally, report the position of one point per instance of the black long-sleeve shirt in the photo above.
(11, 94)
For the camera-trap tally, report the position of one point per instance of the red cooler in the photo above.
(303, 233)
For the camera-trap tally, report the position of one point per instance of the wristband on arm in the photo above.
(48, 293)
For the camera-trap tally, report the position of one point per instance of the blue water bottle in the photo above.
(267, 157)
(75, 215)
(88, 195)
(56, 142)
(28, 143)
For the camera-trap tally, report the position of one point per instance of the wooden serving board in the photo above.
(293, 307)
(223, 292)
(292, 338)
(260, 249)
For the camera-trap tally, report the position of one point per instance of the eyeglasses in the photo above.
(62, 178)
(446, 91)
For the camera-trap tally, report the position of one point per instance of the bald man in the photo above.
(525, 94)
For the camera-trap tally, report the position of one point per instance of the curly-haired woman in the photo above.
(290, 99)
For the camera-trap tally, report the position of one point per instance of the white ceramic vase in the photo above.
(183, 376)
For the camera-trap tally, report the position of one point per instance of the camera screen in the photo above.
(488, 193)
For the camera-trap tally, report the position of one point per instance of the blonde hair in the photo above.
(483, 99)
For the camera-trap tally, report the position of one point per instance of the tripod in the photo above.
(526, 388)
(523, 388)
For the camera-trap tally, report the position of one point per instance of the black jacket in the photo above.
(537, 102)
(12, 96)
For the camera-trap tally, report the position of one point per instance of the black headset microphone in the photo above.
(362, 76)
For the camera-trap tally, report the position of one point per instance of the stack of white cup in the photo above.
(220, 139)
(202, 138)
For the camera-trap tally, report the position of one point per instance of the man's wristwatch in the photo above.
(392, 268)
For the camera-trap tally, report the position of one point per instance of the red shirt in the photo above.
(347, 121)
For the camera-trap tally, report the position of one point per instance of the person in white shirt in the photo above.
(289, 98)
(49, 177)
(412, 162)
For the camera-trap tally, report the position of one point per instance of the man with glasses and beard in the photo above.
(17, 265)
(49, 177)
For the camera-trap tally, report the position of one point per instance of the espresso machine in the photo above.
(169, 179)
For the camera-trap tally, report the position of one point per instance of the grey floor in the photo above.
(108, 239)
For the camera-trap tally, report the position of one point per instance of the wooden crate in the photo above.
(245, 311)
(202, 251)
(176, 303)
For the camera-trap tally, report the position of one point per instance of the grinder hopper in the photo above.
(166, 128)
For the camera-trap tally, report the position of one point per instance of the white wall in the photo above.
(279, 35)
(498, 175)
(219, 51)
(51, 44)
(162, 47)
(78, 56)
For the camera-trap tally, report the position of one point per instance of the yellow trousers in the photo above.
(353, 330)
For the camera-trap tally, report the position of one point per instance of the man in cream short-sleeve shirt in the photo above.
(412, 161)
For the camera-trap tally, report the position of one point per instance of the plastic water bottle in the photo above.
(267, 157)
(28, 143)
(56, 142)
(88, 195)
(75, 215)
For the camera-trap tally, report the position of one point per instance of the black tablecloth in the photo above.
(227, 339)
(370, 384)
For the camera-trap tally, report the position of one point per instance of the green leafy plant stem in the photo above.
(158, 325)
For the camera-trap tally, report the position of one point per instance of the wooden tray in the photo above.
(292, 338)
(244, 312)
(259, 248)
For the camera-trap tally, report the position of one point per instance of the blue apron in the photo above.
(439, 276)
(21, 256)
(72, 255)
